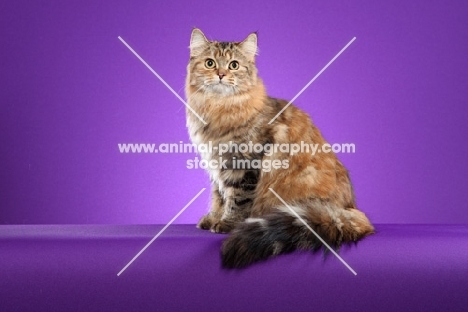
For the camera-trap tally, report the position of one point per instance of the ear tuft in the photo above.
(198, 42)
(249, 46)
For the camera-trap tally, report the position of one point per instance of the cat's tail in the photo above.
(281, 232)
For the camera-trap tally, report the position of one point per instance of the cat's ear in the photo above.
(198, 42)
(249, 47)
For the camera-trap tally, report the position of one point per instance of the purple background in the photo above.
(71, 91)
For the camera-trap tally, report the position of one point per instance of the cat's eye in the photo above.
(209, 63)
(234, 65)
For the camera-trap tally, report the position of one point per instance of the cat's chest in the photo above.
(208, 133)
(215, 138)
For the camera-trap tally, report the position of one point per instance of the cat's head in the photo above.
(221, 68)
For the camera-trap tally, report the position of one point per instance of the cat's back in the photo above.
(290, 124)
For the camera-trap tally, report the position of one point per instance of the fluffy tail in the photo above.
(281, 232)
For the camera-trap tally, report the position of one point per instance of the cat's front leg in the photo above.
(216, 210)
(220, 217)
(229, 218)
(238, 193)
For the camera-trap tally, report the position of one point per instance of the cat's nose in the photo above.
(221, 73)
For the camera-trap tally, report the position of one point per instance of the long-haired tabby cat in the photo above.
(224, 89)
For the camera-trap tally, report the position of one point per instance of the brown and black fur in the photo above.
(236, 108)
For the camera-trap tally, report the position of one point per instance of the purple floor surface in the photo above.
(74, 268)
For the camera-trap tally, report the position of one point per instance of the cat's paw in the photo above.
(205, 223)
(222, 226)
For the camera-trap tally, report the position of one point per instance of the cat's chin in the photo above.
(221, 89)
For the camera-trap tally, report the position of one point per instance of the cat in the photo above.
(231, 107)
